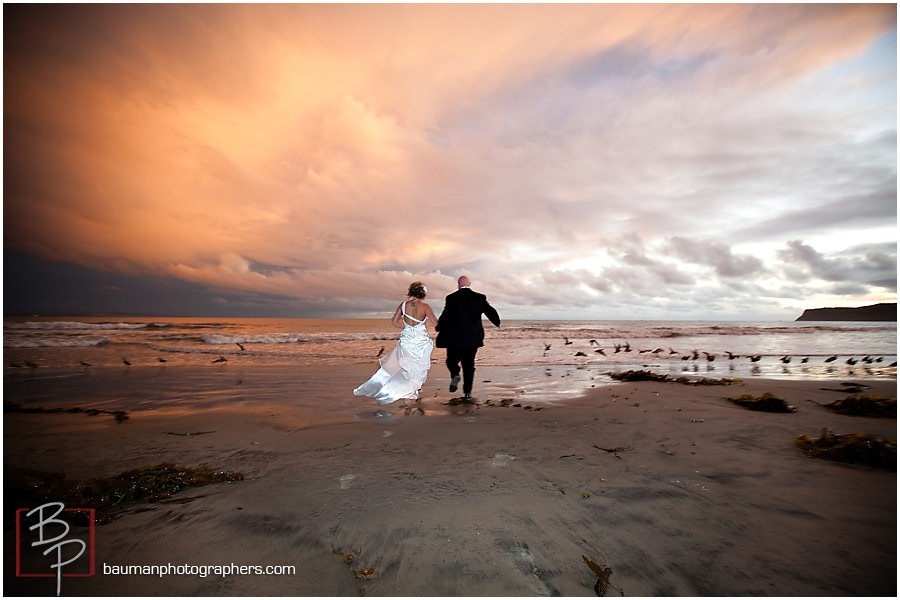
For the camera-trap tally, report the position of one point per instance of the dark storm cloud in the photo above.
(871, 264)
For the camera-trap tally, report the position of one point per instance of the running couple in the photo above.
(404, 369)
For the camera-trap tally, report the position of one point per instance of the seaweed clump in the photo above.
(865, 406)
(639, 376)
(120, 415)
(651, 376)
(360, 574)
(463, 401)
(768, 402)
(602, 574)
(854, 448)
(109, 495)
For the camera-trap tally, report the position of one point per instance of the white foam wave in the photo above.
(77, 325)
(68, 342)
(631, 331)
(291, 355)
(291, 338)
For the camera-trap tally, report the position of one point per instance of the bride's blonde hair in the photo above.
(417, 290)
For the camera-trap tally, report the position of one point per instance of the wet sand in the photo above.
(702, 497)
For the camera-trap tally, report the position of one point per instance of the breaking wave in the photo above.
(76, 325)
(68, 342)
(631, 330)
(109, 326)
(292, 338)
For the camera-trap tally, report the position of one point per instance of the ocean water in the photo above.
(305, 370)
(716, 349)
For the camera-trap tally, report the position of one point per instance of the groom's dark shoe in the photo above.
(454, 383)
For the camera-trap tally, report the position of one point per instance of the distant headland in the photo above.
(875, 312)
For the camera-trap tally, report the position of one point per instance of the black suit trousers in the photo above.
(466, 358)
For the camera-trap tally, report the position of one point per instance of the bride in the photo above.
(403, 369)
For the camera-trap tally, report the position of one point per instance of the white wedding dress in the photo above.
(403, 369)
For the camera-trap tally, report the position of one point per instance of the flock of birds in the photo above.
(626, 347)
(695, 355)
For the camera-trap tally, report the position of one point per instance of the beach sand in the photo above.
(703, 497)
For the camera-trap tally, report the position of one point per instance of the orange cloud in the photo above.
(201, 139)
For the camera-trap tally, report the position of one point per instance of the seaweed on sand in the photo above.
(463, 401)
(11, 407)
(363, 574)
(651, 376)
(602, 574)
(639, 376)
(108, 495)
(767, 402)
(854, 448)
(865, 406)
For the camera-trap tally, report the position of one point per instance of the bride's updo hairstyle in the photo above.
(417, 290)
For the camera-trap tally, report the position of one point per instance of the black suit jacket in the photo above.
(459, 325)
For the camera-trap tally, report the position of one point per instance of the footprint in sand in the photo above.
(501, 459)
(346, 479)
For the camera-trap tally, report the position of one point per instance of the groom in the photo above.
(460, 331)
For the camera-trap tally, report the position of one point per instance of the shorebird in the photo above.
(240, 345)
(546, 346)
(221, 359)
(162, 360)
(380, 352)
(785, 359)
(850, 361)
(755, 358)
(695, 355)
(567, 341)
(731, 356)
(593, 343)
(85, 364)
(831, 359)
(805, 360)
(580, 353)
(618, 348)
(600, 351)
(627, 347)
(126, 362)
(672, 351)
(710, 357)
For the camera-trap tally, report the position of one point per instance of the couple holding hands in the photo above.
(404, 369)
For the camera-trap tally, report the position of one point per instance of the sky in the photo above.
(578, 161)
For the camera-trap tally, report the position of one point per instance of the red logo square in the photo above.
(29, 555)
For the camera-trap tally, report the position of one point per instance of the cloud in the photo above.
(716, 255)
(871, 264)
(315, 151)
(853, 211)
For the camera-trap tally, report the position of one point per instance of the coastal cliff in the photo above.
(874, 312)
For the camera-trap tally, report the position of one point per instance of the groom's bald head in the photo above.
(463, 282)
